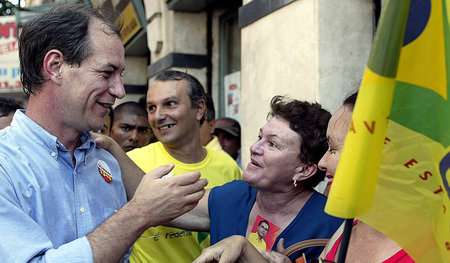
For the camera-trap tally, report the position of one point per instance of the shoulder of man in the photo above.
(144, 151)
(226, 163)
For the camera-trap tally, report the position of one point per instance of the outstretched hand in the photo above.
(163, 199)
(229, 250)
(276, 257)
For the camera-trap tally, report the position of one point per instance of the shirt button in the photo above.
(53, 154)
(82, 209)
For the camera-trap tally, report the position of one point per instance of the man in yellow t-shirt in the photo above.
(176, 106)
(257, 238)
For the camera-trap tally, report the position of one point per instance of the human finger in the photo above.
(280, 245)
(209, 255)
(99, 140)
(160, 171)
(185, 179)
(276, 257)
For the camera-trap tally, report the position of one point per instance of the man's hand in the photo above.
(276, 257)
(155, 201)
(161, 200)
(229, 250)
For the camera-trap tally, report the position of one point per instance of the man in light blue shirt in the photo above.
(61, 198)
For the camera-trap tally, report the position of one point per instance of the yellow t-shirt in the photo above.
(215, 145)
(167, 244)
(259, 243)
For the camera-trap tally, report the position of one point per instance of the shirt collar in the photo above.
(22, 124)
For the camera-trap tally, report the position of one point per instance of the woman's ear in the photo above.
(305, 171)
(52, 64)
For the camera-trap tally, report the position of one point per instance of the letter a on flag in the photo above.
(394, 171)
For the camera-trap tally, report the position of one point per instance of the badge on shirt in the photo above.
(104, 171)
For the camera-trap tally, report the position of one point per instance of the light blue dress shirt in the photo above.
(48, 206)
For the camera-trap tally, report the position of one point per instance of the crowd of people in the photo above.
(160, 182)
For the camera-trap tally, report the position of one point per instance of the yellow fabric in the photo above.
(166, 244)
(214, 144)
(411, 204)
(423, 61)
(259, 243)
(351, 196)
(391, 176)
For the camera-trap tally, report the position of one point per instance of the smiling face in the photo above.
(174, 122)
(274, 157)
(336, 133)
(86, 92)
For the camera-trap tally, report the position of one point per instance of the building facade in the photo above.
(245, 52)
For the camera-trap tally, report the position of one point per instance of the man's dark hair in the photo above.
(65, 28)
(210, 110)
(130, 107)
(310, 121)
(8, 105)
(350, 101)
(263, 221)
(195, 90)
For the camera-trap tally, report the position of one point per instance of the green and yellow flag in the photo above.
(395, 166)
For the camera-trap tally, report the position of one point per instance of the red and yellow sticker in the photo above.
(104, 171)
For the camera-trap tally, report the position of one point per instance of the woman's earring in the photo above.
(295, 183)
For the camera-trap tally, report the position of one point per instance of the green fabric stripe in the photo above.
(423, 111)
(202, 236)
(447, 44)
(389, 38)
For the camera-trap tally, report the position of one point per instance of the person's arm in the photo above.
(195, 220)
(131, 173)
(231, 249)
(155, 202)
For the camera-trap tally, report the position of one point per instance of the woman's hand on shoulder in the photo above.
(105, 142)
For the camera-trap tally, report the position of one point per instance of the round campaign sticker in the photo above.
(104, 171)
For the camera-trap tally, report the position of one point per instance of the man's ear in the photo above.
(52, 64)
(304, 171)
(201, 107)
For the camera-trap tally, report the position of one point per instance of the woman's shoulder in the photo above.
(234, 191)
(234, 187)
(315, 208)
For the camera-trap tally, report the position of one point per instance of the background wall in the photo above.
(310, 50)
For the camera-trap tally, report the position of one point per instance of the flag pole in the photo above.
(345, 240)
